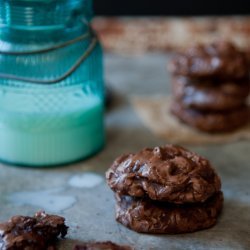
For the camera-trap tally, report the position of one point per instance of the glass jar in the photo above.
(51, 83)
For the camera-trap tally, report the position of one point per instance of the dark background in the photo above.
(173, 7)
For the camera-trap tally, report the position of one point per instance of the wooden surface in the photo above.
(137, 35)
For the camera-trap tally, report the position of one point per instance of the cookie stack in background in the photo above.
(165, 190)
(210, 86)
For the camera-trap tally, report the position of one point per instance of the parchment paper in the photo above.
(155, 114)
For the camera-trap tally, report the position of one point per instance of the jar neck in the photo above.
(39, 21)
(36, 36)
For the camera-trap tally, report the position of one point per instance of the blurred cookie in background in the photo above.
(208, 94)
(210, 86)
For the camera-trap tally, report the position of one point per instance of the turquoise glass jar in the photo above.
(51, 83)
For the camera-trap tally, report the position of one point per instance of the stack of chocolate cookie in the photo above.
(165, 190)
(210, 86)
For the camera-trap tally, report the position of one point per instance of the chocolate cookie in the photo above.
(220, 60)
(212, 122)
(209, 94)
(108, 245)
(39, 232)
(169, 173)
(146, 216)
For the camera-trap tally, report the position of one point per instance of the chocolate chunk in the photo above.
(147, 216)
(212, 122)
(32, 233)
(221, 60)
(210, 95)
(169, 173)
(108, 245)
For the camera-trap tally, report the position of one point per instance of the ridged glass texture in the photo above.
(43, 125)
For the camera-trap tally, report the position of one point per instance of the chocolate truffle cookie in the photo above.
(210, 94)
(146, 216)
(212, 122)
(39, 232)
(169, 173)
(220, 60)
(108, 245)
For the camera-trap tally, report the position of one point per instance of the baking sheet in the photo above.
(79, 191)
